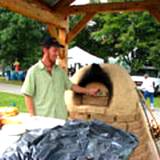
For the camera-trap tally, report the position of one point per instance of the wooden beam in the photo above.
(154, 11)
(63, 58)
(34, 11)
(72, 34)
(53, 31)
(61, 4)
(109, 7)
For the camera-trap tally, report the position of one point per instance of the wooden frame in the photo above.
(56, 16)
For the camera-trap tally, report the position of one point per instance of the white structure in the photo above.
(78, 56)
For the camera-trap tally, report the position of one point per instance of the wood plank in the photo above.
(34, 11)
(109, 7)
(72, 34)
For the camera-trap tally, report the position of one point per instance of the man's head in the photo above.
(146, 76)
(50, 49)
(51, 42)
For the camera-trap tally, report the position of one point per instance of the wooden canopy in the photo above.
(55, 13)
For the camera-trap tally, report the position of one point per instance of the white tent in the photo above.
(78, 56)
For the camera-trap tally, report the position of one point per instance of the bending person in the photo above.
(45, 84)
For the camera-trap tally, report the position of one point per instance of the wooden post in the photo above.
(63, 56)
(60, 34)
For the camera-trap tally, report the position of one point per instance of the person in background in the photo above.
(148, 88)
(16, 65)
(46, 82)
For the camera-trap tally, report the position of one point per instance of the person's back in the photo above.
(148, 89)
(148, 85)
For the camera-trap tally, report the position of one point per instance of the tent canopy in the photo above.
(77, 55)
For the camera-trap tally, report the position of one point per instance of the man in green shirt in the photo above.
(45, 84)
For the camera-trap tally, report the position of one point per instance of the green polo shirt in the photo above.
(47, 90)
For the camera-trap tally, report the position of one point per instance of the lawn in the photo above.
(8, 99)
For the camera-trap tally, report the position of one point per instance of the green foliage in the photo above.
(134, 37)
(19, 38)
(134, 33)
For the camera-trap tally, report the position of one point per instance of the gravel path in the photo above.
(10, 88)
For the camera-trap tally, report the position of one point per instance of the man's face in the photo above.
(52, 54)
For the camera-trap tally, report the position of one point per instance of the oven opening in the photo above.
(96, 77)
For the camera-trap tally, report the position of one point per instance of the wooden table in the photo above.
(10, 133)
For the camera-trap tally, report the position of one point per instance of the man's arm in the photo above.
(89, 91)
(30, 105)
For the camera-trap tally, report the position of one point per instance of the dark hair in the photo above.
(50, 41)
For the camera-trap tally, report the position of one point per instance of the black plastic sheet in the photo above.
(76, 140)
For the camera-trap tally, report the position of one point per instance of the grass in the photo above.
(156, 102)
(15, 82)
(8, 99)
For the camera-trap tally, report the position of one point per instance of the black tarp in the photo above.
(76, 140)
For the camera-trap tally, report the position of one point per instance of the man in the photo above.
(148, 88)
(45, 84)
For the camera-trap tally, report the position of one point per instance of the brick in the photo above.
(135, 125)
(140, 149)
(81, 116)
(126, 118)
(139, 132)
(144, 138)
(99, 101)
(72, 115)
(120, 125)
(138, 116)
(110, 118)
(100, 117)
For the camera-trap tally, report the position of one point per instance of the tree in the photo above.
(132, 36)
(19, 38)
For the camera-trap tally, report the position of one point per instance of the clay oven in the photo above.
(117, 104)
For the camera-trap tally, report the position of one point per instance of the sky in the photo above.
(78, 2)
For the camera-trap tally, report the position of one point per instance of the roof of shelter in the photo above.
(60, 8)
(55, 12)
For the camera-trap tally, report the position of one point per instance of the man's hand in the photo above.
(84, 90)
(93, 91)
